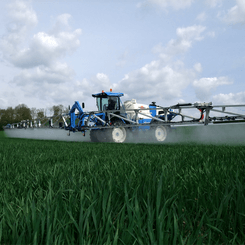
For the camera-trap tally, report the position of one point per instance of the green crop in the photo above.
(93, 193)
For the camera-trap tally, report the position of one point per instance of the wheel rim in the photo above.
(160, 133)
(119, 135)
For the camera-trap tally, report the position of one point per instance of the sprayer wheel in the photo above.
(117, 134)
(160, 133)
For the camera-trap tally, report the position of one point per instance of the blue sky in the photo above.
(168, 51)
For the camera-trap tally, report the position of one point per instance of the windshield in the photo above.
(109, 103)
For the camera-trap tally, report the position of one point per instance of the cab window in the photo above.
(113, 103)
(108, 103)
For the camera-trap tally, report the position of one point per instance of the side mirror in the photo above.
(83, 105)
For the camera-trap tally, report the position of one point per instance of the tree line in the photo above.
(22, 112)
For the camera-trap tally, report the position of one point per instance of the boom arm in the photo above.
(72, 113)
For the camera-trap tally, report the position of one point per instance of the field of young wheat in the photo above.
(103, 193)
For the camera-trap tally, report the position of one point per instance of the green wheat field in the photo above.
(103, 193)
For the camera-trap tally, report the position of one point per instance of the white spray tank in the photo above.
(133, 105)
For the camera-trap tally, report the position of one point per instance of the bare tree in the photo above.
(33, 113)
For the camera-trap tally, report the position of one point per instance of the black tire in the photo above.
(99, 135)
(94, 136)
(102, 135)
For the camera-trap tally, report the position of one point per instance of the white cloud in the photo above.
(236, 14)
(231, 98)
(39, 86)
(44, 49)
(54, 74)
(165, 79)
(98, 82)
(164, 4)
(185, 38)
(191, 32)
(61, 23)
(202, 17)
(204, 87)
(211, 34)
(41, 93)
(214, 3)
(156, 82)
(22, 20)
(198, 67)
(3, 103)
(44, 77)
(22, 14)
